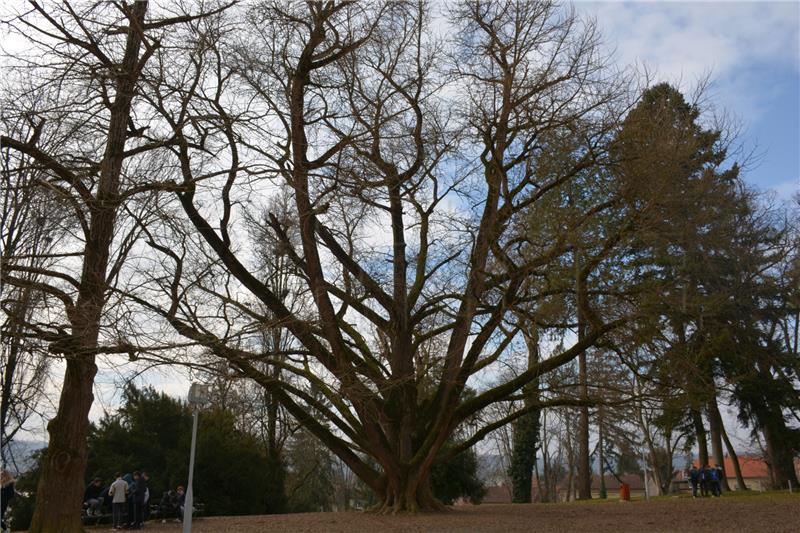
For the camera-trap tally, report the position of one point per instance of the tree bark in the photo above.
(780, 458)
(526, 429)
(61, 486)
(740, 485)
(603, 493)
(407, 492)
(584, 462)
(700, 432)
(715, 428)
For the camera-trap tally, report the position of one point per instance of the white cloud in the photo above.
(683, 42)
(786, 190)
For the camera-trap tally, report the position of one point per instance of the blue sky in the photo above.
(751, 51)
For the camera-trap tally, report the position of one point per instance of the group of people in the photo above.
(129, 496)
(129, 499)
(707, 479)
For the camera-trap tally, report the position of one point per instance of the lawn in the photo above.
(754, 512)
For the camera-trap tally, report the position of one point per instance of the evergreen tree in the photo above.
(152, 432)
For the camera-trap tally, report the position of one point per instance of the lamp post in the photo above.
(198, 395)
(646, 481)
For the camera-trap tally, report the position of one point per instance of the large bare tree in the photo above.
(86, 66)
(409, 159)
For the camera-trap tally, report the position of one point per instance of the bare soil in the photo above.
(767, 513)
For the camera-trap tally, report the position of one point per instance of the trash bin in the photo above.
(625, 492)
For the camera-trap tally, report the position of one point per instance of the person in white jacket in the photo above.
(118, 492)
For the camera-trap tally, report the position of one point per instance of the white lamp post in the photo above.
(198, 395)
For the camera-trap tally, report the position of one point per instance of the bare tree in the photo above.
(90, 63)
(354, 107)
(28, 234)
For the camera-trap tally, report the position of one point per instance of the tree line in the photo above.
(400, 241)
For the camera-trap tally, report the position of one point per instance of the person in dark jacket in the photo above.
(168, 506)
(139, 492)
(146, 508)
(715, 474)
(705, 480)
(93, 497)
(694, 479)
(7, 493)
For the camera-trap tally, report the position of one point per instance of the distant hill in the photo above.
(20, 455)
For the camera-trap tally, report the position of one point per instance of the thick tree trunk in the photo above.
(780, 458)
(61, 485)
(700, 432)
(715, 429)
(407, 492)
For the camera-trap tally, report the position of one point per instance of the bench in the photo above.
(95, 520)
(156, 512)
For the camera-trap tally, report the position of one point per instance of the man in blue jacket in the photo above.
(694, 479)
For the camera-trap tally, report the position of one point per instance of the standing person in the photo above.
(694, 479)
(7, 493)
(140, 489)
(720, 477)
(146, 512)
(129, 510)
(118, 491)
(713, 474)
(93, 497)
(705, 480)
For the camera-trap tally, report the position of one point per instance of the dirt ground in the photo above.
(768, 513)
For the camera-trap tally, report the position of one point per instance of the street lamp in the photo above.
(198, 396)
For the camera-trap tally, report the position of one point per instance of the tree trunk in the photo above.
(584, 463)
(715, 427)
(526, 429)
(546, 491)
(780, 458)
(700, 432)
(603, 493)
(407, 492)
(737, 469)
(570, 461)
(61, 485)
(60, 491)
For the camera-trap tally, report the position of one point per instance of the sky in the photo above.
(750, 50)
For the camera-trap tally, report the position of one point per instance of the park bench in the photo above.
(95, 520)
(157, 514)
